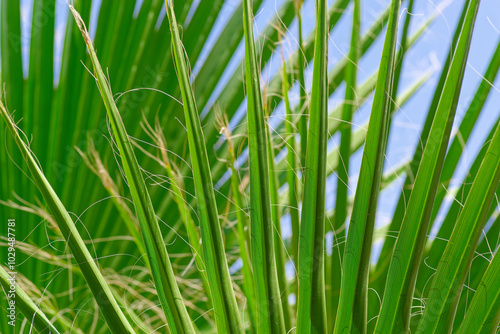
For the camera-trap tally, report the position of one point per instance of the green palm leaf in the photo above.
(311, 306)
(161, 268)
(450, 275)
(352, 310)
(226, 310)
(218, 181)
(396, 308)
(30, 310)
(269, 309)
(114, 316)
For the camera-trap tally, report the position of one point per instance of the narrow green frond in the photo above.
(114, 316)
(452, 270)
(227, 315)
(302, 109)
(466, 126)
(268, 298)
(483, 315)
(404, 266)
(451, 163)
(279, 245)
(311, 307)
(291, 167)
(351, 101)
(243, 229)
(352, 311)
(383, 266)
(161, 268)
(20, 300)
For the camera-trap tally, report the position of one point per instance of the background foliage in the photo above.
(153, 170)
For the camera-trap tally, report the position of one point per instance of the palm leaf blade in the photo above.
(161, 268)
(224, 301)
(396, 305)
(352, 310)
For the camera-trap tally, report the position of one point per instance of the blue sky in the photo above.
(427, 55)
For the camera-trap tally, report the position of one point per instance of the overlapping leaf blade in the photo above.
(268, 298)
(161, 268)
(227, 315)
(311, 307)
(341, 208)
(114, 316)
(352, 311)
(484, 315)
(397, 301)
(22, 301)
(457, 257)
